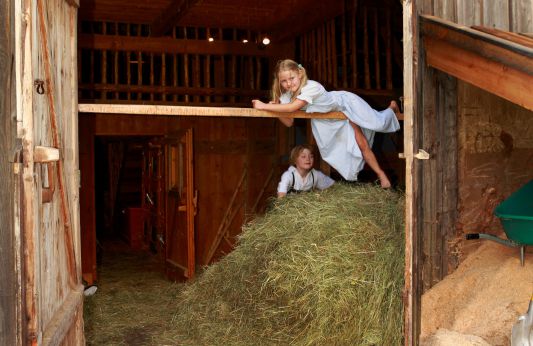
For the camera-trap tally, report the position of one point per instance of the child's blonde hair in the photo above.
(297, 150)
(287, 65)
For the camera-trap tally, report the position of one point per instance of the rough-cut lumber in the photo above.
(506, 35)
(499, 66)
(200, 111)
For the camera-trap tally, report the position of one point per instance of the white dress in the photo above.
(336, 138)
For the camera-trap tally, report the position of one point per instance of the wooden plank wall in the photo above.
(462, 190)
(359, 51)
(159, 73)
(458, 187)
(221, 161)
(9, 284)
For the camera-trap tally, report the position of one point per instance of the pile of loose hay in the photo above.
(318, 268)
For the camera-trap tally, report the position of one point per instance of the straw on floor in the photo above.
(318, 269)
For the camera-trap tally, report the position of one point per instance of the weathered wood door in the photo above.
(47, 208)
(180, 206)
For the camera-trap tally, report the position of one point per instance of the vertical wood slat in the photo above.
(196, 70)
(186, 74)
(115, 65)
(104, 63)
(174, 69)
(11, 182)
(140, 63)
(333, 52)
(250, 69)
(163, 75)
(353, 47)
(257, 73)
(429, 183)
(207, 69)
(365, 48)
(152, 74)
(128, 63)
(388, 43)
(376, 49)
(344, 53)
(312, 55)
(222, 67)
(91, 74)
(325, 62)
(233, 68)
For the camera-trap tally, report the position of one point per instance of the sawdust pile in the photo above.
(479, 303)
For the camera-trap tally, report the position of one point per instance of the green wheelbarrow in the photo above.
(516, 216)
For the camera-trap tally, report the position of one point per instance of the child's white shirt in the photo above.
(320, 181)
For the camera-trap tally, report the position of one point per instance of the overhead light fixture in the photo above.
(266, 41)
(244, 41)
(210, 39)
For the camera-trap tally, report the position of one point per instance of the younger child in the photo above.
(301, 176)
(344, 144)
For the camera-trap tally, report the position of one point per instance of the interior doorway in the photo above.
(144, 199)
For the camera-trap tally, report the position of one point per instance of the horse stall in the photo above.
(468, 147)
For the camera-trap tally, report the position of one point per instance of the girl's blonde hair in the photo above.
(297, 150)
(287, 65)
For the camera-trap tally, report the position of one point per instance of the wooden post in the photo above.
(10, 171)
(411, 297)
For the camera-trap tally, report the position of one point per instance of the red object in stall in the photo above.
(135, 220)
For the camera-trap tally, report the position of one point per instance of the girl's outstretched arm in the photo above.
(277, 107)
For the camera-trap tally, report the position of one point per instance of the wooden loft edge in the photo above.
(199, 111)
(506, 35)
(509, 53)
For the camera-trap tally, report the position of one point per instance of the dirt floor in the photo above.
(134, 303)
(479, 303)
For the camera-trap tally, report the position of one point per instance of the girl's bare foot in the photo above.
(394, 106)
(384, 181)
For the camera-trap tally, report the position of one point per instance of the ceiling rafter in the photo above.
(168, 18)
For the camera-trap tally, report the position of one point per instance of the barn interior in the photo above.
(218, 171)
(182, 186)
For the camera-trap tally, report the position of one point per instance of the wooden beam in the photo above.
(498, 66)
(168, 18)
(506, 35)
(173, 46)
(490, 47)
(199, 111)
(494, 77)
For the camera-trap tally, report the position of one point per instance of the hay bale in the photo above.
(318, 268)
